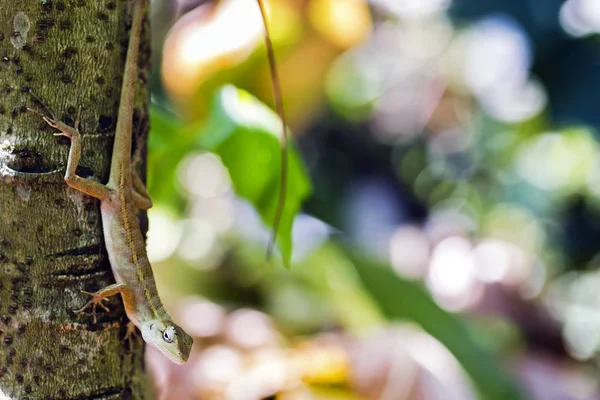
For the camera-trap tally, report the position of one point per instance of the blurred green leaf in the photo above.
(352, 89)
(402, 299)
(245, 133)
(329, 274)
(165, 151)
(165, 126)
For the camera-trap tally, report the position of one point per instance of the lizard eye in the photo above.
(169, 334)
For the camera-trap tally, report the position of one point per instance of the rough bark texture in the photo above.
(67, 53)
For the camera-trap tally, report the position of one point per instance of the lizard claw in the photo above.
(51, 122)
(64, 129)
(131, 334)
(77, 119)
(97, 300)
(35, 112)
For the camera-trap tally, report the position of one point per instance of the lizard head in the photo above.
(168, 338)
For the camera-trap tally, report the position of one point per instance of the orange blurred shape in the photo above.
(345, 23)
(319, 393)
(326, 364)
(210, 39)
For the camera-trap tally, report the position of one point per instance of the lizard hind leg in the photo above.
(141, 198)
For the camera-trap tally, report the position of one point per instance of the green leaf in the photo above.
(402, 299)
(165, 151)
(245, 133)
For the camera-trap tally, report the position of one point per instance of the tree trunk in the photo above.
(62, 54)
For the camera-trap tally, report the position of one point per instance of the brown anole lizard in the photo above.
(119, 199)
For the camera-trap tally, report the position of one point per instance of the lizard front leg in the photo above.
(132, 334)
(101, 295)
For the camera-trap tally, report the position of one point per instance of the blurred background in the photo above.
(444, 188)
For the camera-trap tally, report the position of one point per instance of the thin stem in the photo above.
(284, 137)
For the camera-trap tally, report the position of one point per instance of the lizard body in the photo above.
(119, 198)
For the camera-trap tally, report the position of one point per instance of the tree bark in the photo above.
(62, 54)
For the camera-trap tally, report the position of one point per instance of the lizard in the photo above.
(119, 198)
(124, 192)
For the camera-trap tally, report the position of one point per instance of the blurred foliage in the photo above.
(452, 147)
(246, 136)
(405, 300)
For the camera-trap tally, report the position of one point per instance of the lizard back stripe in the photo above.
(127, 226)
